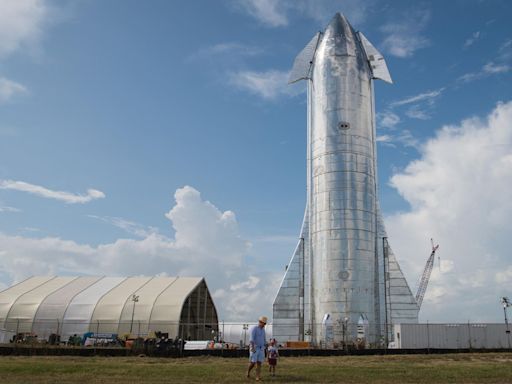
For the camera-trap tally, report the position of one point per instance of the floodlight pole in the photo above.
(135, 299)
(345, 333)
(506, 303)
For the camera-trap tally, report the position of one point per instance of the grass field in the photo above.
(453, 368)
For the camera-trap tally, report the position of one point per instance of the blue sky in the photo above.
(161, 137)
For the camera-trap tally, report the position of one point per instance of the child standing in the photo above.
(272, 354)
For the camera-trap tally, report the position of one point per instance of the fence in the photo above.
(43, 330)
(338, 335)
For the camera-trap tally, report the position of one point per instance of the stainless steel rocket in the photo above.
(343, 282)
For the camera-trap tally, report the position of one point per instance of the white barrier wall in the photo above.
(450, 336)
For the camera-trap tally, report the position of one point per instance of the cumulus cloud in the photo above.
(269, 85)
(10, 89)
(66, 197)
(459, 193)
(405, 36)
(206, 243)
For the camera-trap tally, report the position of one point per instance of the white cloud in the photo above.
(21, 24)
(404, 138)
(8, 209)
(270, 84)
(459, 193)
(277, 13)
(126, 225)
(323, 10)
(9, 89)
(505, 51)
(492, 68)
(428, 97)
(384, 139)
(504, 277)
(417, 112)
(228, 50)
(206, 243)
(500, 65)
(487, 70)
(472, 40)
(66, 197)
(404, 36)
(420, 106)
(387, 119)
(269, 12)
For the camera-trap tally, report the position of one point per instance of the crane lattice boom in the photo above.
(425, 277)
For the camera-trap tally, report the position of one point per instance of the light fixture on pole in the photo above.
(135, 299)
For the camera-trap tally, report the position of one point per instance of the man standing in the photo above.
(257, 347)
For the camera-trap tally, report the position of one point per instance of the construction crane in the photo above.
(425, 277)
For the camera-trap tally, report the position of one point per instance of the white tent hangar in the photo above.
(42, 305)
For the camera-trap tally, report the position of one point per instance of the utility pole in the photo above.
(506, 303)
(385, 248)
(135, 299)
(245, 327)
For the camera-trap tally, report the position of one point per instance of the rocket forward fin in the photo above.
(304, 61)
(376, 60)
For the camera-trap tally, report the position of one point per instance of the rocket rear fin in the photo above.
(304, 61)
(376, 60)
(402, 303)
(403, 306)
(288, 306)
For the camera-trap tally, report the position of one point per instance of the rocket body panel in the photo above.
(343, 182)
(340, 272)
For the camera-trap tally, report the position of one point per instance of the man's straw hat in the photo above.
(263, 319)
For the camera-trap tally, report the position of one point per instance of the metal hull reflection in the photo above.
(335, 290)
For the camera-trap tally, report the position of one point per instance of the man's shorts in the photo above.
(257, 356)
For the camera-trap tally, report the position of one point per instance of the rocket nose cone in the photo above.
(339, 26)
(340, 37)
